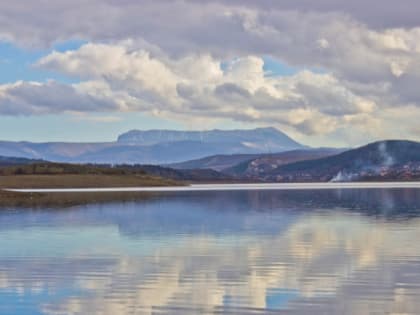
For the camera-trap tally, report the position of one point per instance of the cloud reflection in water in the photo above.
(323, 252)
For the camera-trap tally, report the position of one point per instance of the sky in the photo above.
(326, 72)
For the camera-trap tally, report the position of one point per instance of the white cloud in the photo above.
(196, 86)
(33, 98)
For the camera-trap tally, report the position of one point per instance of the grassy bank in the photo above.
(82, 181)
(62, 200)
(62, 175)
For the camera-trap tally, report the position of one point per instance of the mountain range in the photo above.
(261, 155)
(156, 146)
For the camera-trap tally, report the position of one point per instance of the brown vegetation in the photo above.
(82, 181)
(61, 175)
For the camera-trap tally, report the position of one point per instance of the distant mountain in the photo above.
(156, 146)
(12, 161)
(384, 160)
(166, 146)
(52, 151)
(161, 153)
(260, 139)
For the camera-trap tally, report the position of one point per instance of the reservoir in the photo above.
(264, 249)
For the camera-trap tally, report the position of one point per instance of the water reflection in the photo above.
(320, 252)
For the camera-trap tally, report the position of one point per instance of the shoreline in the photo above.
(225, 187)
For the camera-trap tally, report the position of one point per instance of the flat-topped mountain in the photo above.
(259, 139)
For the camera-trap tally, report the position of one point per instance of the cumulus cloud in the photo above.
(32, 98)
(197, 86)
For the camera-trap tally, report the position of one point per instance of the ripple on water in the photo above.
(335, 252)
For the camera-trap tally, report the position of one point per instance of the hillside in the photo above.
(252, 165)
(384, 160)
(259, 167)
(216, 162)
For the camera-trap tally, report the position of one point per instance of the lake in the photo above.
(317, 251)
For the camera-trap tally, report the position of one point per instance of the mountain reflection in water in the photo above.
(246, 252)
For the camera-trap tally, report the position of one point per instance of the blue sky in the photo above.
(18, 63)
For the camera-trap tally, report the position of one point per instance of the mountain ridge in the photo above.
(387, 160)
(380, 160)
(150, 147)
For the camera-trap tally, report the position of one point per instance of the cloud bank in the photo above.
(357, 67)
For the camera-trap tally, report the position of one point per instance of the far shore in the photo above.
(82, 181)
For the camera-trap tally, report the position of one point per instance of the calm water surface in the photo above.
(349, 251)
